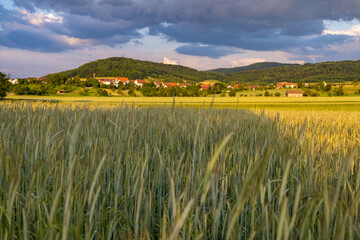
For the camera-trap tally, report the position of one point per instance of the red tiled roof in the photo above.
(294, 91)
(107, 80)
(280, 84)
(170, 84)
(122, 79)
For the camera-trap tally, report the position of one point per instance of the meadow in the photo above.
(123, 172)
(347, 103)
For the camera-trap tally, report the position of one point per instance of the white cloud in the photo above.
(245, 61)
(353, 31)
(39, 19)
(169, 61)
(76, 41)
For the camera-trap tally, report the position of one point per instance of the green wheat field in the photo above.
(77, 171)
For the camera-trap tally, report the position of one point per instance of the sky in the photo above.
(38, 37)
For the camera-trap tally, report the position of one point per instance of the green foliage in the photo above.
(84, 92)
(277, 94)
(307, 93)
(232, 93)
(131, 91)
(25, 90)
(4, 85)
(56, 79)
(328, 87)
(102, 92)
(339, 91)
(136, 69)
(255, 66)
(315, 94)
(218, 88)
(309, 73)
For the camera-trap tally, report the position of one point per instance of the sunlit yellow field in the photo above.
(304, 103)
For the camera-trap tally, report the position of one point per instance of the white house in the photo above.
(139, 82)
(108, 82)
(13, 81)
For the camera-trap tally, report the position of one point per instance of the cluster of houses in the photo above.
(13, 81)
(140, 82)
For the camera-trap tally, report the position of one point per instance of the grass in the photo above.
(121, 172)
(276, 103)
(211, 82)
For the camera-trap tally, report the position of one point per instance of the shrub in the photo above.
(84, 92)
(131, 91)
(307, 93)
(315, 94)
(102, 92)
(4, 85)
(232, 93)
(277, 94)
(339, 92)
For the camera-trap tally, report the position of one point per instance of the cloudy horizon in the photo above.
(38, 37)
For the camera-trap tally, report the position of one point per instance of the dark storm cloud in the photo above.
(86, 27)
(213, 10)
(237, 37)
(33, 39)
(253, 25)
(208, 51)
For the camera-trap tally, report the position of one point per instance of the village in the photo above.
(279, 85)
(209, 87)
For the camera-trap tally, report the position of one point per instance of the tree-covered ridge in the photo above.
(326, 71)
(254, 66)
(136, 69)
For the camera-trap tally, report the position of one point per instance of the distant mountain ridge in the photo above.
(254, 66)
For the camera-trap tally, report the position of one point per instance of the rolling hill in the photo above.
(255, 66)
(136, 69)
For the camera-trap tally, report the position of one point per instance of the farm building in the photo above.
(139, 82)
(286, 85)
(169, 85)
(122, 79)
(13, 81)
(204, 87)
(294, 93)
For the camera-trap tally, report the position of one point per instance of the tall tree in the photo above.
(4, 85)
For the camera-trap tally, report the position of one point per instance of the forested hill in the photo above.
(255, 66)
(326, 71)
(136, 69)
